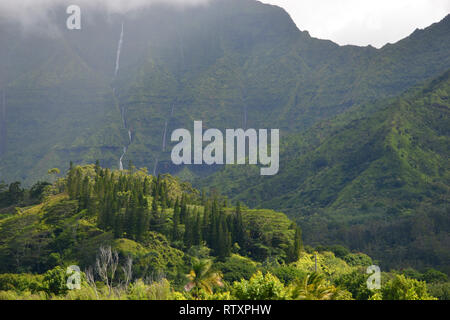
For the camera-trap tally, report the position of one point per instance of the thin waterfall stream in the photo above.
(164, 139)
(122, 108)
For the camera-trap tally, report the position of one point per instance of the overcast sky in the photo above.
(363, 22)
(358, 22)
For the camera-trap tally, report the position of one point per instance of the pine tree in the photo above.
(223, 249)
(141, 222)
(175, 221)
(97, 166)
(188, 236)
(197, 229)
(130, 218)
(206, 222)
(298, 245)
(238, 228)
(183, 210)
(118, 225)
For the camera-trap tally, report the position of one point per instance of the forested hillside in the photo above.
(135, 236)
(375, 179)
(364, 173)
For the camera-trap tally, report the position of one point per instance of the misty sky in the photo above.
(358, 22)
(363, 22)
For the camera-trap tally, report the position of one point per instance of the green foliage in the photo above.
(236, 268)
(202, 279)
(377, 174)
(260, 287)
(358, 259)
(159, 290)
(402, 288)
(20, 282)
(287, 273)
(270, 233)
(66, 229)
(434, 276)
(55, 281)
(313, 286)
(439, 290)
(351, 171)
(356, 284)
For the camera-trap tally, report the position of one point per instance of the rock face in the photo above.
(230, 64)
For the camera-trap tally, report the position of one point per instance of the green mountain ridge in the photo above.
(371, 173)
(364, 131)
(232, 64)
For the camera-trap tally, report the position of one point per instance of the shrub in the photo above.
(402, 288)
(260, 287)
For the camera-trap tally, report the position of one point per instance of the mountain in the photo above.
(231, 64)
(376, 178)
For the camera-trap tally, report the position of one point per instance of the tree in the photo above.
(239, 232)
(402, 288)
(15, 193)
(356, 284)
(55, 281)
(54, 172)
(260, 287)
(296, 247)
(313, 286)
(202, 278)
(188, 236)
(197, 229)
(106, 266)
(37, 190)
(175, 221)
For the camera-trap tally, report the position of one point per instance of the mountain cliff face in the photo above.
(231, 64)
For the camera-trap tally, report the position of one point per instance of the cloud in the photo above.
(364, 22)
(34, 14)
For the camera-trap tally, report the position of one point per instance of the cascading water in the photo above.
(119, 50)
(155, 167)
(122, 109)
(164, 142)
(164, 137)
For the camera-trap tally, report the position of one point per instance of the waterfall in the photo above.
(121, 158)
(155, 167)
(122, 109)
(164, 137)
(119, 50)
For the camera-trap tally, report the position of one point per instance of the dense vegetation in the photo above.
(231, 64)
(364, 159)
(136, 236)
(375, 179)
